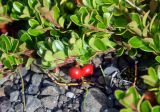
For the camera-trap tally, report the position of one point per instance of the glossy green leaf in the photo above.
(75, 19)
(135, 42)
(33, 23)
(99, 44)
(15, 44)
(59, 45)
(25, 37)
(35, 32)
(149, 80)
(48, 56)
(120, 51)
(29, 62)
(145, 106)
(156, 109)
(61, 21)
(7, 42)
(158, 59)
(152, 73)
(47, 3)
(32, 3)
(18, 7)
(56, 12)
(7, 64)
(126, 110)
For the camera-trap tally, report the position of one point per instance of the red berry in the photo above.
(87, 70)
(75, 73)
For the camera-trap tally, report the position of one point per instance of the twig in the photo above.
(23, 94)
(135, 74)
(66, 84)
(103, 74)
(139, 103)
(137, 8)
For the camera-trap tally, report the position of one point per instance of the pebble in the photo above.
(32, 89)
(36, 79)
(35, 69)
(5, 104)
(51, 90)
(32, 104)
(70, 95)
(110, 70)
(94, 101)
(49, 102)
(14, 96)
(18, 107)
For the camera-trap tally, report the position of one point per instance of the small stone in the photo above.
(51, 90)
(4, 79)
(50, 102)
(32, 104)
(14, 96)
(11, 110)
(59, 110)
(111, 110)
(36, 79)
(23, 71)
(70, 95)
(47, 83)
(110, 70)
(94, 101)
(5, 104)
(32, 89)
(97, 61)
(40, 110)
(35, 69)
(27, 78)
(18, 107)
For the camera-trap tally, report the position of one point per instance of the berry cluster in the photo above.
(77, 72)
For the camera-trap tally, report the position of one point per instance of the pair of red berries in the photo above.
(77, 73)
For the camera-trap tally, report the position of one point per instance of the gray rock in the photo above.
(70, 95)
(32, 104)
(14, 96)
(40, 110)
(94, 101)
(50, 102)
(27, 78)
(59, 110)
(97, 61)
(32, 89)
(11, 110)
(47, 83)
(18, 107)
(111, 110)
(5, 104)
(36, 79)
(4, 79)
(35, 69)
(51, 90)
(23, 71)
(110, 70)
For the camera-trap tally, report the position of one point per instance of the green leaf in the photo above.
(33, 23)
(148, 80)
(99, 44)
(18, 7)
(152, 21)
(135, 42)
(75, 19)
(61, 21)
(7, 64)
(152, 73)
(56, 12)
(126, 110)
(136, 17)
(134, 27)
(32, 3)
(145, 18)
(156, 40)
(6, 41)
(87, 3)
(132, 52)
(48, 56)
(119, 94)
(60, 55)
(59, 45)
(145, 106)
(158, 59)
(158, 97)
(29, 62)
(36, 32)
(25, 37)
(120, 51)
(47, 3)
(15, 44)
(156, 109)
